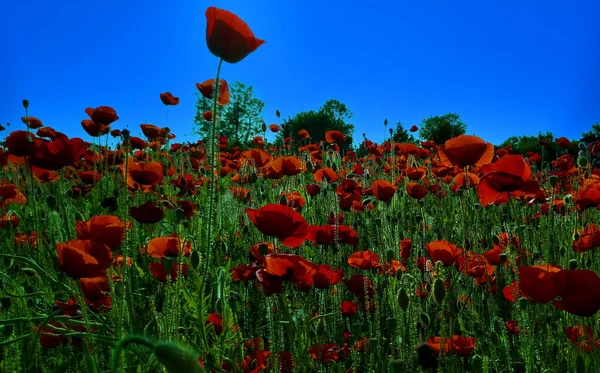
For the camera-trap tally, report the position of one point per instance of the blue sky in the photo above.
(506, 67)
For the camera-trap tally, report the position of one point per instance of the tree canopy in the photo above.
(442, 128)
(333, 115)
(240, 120)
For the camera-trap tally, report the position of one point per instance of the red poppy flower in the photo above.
(102, 114)
(94, 288)
(325, 353)
(443, 251)
(229, 37)
(563, 142)
(511, 177)
(321, 235)
(348, 308)
(9, 193)
(108, 229)
(313, 189)
(334, 135)
(347, 235)
(438, 343)
(536, 282)
(147, 213)
(189, 208)
(581, 337)
(460, 180)
(579, 291)
(9, 220)
(22, 143)
(207, 88)
(290, 267)
(143, 176)
(416, 190)
(280, 221)
(243, 272)
(270, 284)
(364, 260)
(462, 346)
(216, 321)
(274, 128)
(34, 123)
(94, 129)
(325, 277)
(466, 150)
(414, 128)
(259, 250)
(325, 174)
(163, 247)
(84, 258)
(168, 99)
(588, 195)
(383, 190)
(208, 115)
(160, 273)
(405, 248)
(360, 286)
(512, 327)
(287, 165)
(303, 134)
(589, 238)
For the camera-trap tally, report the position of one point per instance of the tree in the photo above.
(593, 135)
(331, 116)
(525, 144)
(442, 129)
(240, 120)
(401, 135)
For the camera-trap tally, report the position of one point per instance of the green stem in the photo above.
(214, 165)
(124, 343)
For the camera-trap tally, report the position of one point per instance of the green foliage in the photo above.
(525, 144)
(333, 115)
(240, 120)
(442, 128)
(593, 134)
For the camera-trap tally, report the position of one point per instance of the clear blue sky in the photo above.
(507, 67)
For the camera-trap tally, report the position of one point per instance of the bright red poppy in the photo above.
(228, 36)
(579, 291)
(108, 229)
(9, 193)
(102, 114)
(163, 247)
(383, 190)
(280, 221)
(536, 282)
(511, 178)
(207, 88)
(416, 190)
(443, 251)
(365, 259)
(466, 150)
(334, 136)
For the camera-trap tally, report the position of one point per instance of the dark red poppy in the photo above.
(321, 235)
(102, 114)
(365, 259)
(9, 193)
(290, 267)
(325, 353)
(288, 165)
(270, 284)
(443, 251)
(348, 308)
(32, 122)
(360, 286)
(143, 176)
(512, 327)
(168, 99)
(416, 190)
(347, 235)
(280, 221)
(536, 282)
(84, 258)
(334, 136)
(563, 142)
(405, 248)
(274, 128)
(579, 291)
(325, 174)
(228, 36)
(589, 238)
(588, 194)
(160, 273)
(466, 150)
(216, 321)
(108, 229)
(413, 128)
(581, 337)
(147, 213)
(49, 132)
(303, 134)
(243, 272)
(383, 190)
(22, 143)
(313, 189)
(94, 288)
(94, 129)
(208, 115)
(325, 277)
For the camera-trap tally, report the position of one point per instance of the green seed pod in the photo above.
(373, 344)
(277, 113)
(403, 299)
(283, 200)
(179, 213)
(195, 259)
(51, 201)
(385, 122)
(176, 358)
(320, 327)
(399, 274)
(573, 264)
(425, 319)
(397, 366)
(264, 127)
(391, 324)
(477, 363)
(390, 255)
(494, 338)
(439, 290)
(503, 258)
(582, 162)
(26, 104)
(579, 364)
(553, 179)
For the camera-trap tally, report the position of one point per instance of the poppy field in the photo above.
(300, 256)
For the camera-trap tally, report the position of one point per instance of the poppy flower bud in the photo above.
(494, 337)
(232, 300)
(391, 324)
(573, 264)
(277, 113)
(403, 299)
(439, 290)
(195, 259)
(426, 357)
(425, 319)
(399, 274)
(582, 162)
(264, 127)
(418, 218)
(553, 179)
(385, 122)
(477, 363)
(176, 358)
(503, 258)
(179, 213)
(391, 132)
(320, 327)
(125, 134)
(283, 200)
(26, 104)
(389, 255)
(397, 366)
(51, 201)
(373, 344)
